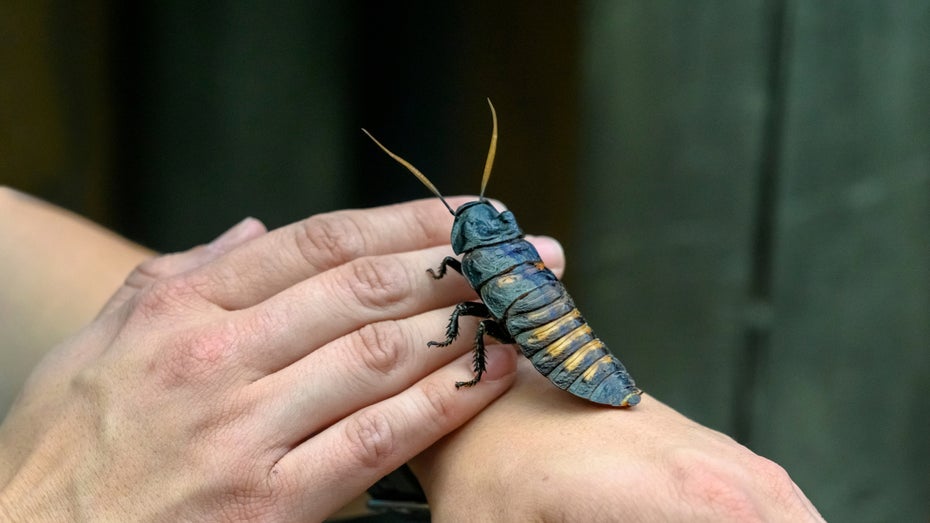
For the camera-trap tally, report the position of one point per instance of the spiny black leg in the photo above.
(498, 332)
(491, 328)
(448, 261)
(466, 308)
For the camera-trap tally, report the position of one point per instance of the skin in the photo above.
(538, 454)
(58, 270)
(276, 375)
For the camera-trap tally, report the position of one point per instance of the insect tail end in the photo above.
(632, 399)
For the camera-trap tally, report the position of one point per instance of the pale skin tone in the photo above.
(275, 375)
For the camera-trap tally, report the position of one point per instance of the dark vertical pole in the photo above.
(758, 318)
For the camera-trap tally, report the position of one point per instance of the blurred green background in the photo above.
(742, 187)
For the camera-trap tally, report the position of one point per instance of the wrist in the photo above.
(6, 514)
(34, 484)
(17, 505)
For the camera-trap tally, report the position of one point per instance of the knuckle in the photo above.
(370, 439)
(164, 266)
(249, 496)
(169, 296)
(148, 271)
(210, 346)
(329, 240)
(423, 224)
(712, 489)
(376, 282)
(773, 472)
(438, 405)
(164, 297)
(253, 325)
(196, 354)
(381, 346)
(775, 477)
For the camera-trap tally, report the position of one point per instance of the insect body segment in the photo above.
(523, 302)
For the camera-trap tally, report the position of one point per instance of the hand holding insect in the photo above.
(266, 376)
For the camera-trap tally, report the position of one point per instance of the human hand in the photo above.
(57, 271)
(269, 376)
(539, 454)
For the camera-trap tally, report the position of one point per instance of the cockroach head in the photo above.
(479, 224)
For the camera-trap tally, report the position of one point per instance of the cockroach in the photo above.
(522, 301)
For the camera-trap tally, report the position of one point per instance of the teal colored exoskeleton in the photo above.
(523, 302)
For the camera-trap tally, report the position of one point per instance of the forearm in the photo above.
(58, 270)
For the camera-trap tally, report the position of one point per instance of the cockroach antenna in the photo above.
(492, 150)
(416, 172)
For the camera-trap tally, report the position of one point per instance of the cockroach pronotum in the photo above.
(522, 301)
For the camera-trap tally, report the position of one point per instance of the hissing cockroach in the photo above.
(523, 302)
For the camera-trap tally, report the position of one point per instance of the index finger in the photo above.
(267, 265)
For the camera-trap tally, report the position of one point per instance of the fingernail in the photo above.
(237, 234)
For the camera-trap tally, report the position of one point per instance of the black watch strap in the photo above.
(399, 493)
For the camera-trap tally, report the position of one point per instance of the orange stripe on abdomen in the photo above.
(534, 340)
(578, 364)
(547, 359)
